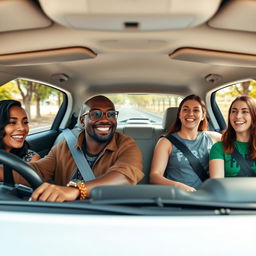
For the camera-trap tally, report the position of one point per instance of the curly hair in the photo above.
(176, 126)
(229, 136)
(5, 106)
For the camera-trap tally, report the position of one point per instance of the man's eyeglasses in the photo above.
(96, 115)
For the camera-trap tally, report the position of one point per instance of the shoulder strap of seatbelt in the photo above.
(78, 156)
(245, 165)
(193, 161)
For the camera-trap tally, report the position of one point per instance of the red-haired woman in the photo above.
(235, 155)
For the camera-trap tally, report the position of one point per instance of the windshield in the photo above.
(143, 108)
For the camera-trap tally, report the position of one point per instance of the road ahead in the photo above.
(127, 112)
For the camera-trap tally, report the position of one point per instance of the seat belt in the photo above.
(245, 166)
(78, 156)
(193, 161)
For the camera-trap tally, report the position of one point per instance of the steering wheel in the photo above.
(9, 191)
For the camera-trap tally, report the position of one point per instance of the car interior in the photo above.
(146, 56)
(171, 48)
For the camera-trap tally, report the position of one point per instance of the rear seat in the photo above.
(146, 137)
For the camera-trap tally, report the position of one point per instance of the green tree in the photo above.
(243, 88)
(118, 99)
(41, 92)
(60, 97)
(8, 90)
(26, 89)
(140, 101)
(253, 89)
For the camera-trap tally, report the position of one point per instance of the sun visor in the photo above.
(214, 57)
(46, 56)
(21, 15)
(236, 15)
(123, 15)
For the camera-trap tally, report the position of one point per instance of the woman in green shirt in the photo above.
(238, 137)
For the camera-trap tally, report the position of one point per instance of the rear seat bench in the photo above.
(147, 136)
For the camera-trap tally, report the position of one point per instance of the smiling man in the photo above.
(99, 119)
(114, 158)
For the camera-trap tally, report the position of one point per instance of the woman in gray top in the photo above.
(169, 165)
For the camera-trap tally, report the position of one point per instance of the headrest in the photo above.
(169, 117)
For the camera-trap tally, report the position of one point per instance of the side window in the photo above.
(226, 95)
(40, 101)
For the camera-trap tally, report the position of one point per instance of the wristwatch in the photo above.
(80, 184)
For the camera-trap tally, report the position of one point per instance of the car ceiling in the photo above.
(58, 42)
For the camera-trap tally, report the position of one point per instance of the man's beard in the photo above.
(101, 138)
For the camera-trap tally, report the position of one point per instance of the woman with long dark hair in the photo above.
(169, 165)
(14, 129)
(235, 155)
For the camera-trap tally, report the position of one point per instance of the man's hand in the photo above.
(54, 193)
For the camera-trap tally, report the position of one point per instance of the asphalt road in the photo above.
(126, 113)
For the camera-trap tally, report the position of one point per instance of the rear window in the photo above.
(143, 108)
(226, 95)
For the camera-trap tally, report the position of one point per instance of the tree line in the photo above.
(29, 92)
